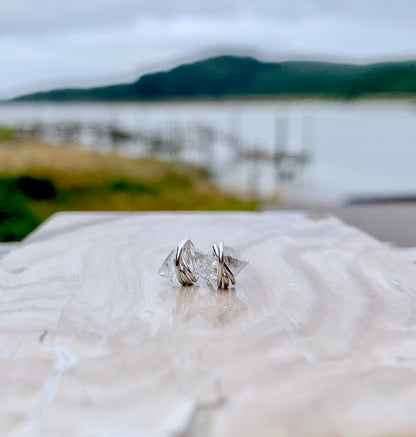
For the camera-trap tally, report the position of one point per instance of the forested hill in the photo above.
(230, 76)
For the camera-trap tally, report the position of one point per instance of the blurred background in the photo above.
(139, 105)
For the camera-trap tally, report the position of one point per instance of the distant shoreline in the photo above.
(226, 99)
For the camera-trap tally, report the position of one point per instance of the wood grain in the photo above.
(318, 338)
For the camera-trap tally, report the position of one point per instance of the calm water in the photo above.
(356, 149)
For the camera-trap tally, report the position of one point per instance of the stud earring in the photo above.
(183, 263)
(223, 266)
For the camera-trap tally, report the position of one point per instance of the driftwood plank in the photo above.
(318, 338)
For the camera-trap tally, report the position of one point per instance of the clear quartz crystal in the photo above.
(235, 263)
(192, 256)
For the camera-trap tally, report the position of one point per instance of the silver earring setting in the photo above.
(224, 274)
(224, 264)
(186, 264)
(183, 263)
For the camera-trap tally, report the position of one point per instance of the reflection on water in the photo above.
(310, 150)
(217, 307)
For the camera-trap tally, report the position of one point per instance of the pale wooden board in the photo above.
(317, 339)
(5, 248)
(409, 253)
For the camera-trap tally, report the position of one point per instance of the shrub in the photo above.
(37, 189)
(16, 218)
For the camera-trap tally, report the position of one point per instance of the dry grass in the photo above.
(72, 167)
(90, 181)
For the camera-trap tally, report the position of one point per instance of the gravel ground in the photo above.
(393, 222)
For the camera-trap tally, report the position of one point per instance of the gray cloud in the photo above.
(44, 16)
(48, 43)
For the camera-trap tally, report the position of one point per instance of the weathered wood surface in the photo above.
(318, 338)
(5, 248)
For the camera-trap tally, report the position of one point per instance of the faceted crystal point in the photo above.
(193, 257)
(235, 263)
(168, 266)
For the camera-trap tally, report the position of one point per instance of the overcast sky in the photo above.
(49, 43)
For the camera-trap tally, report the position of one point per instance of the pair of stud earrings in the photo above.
(186, 264)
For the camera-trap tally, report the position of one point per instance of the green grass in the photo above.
(7, 133)
(37, 180)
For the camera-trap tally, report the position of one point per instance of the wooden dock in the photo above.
(318, 337)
